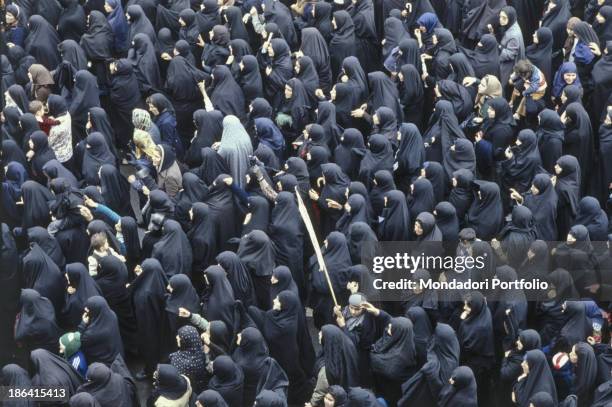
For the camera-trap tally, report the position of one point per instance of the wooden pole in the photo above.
(315, 243)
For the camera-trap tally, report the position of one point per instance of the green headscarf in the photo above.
(72, 342)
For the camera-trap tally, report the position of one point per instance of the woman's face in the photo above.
(563, 97)
(288, 92)
(153, 109)
(276, 304)
(334, 24)
(434, 39)
(332, 93)
(558, 169)
(482, 86)
(31, 144)
(270, 50)
(297, 67)
(534, 190)
(570, 239)
(503, 19)
(491, 113)
(376, 119)
(569, 77)
(400, 76)
(519, 344)
(273, 279)
(454, 182)
(418, 229)
(535, 38)
(9, 18)
(107, 7)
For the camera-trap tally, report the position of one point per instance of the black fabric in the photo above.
(42, 41)
(173, 241)
(50, 370)
(148, 292)
(85, 287)
(100, 337)
(36, 326)
(218, 299)
(539, 379)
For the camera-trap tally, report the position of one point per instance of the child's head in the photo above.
(36, 108)
(70, 343)
(524, 69)
(99, 242)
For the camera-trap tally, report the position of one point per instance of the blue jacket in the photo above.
(78, 362)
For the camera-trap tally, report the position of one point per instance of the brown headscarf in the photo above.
(40, 75)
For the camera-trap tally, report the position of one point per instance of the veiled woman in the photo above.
(442, 359)
(144, 61)
(182, 81)
(235, 147)
(362, 14)
(284, 328)
(343, 43)
(226, 95)
(147, 293)
(100, 337)
(487, 201)
(567, 184)
(42, 41)
(36, 326)
(81, 287)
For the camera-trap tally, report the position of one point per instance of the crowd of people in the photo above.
(168, 168)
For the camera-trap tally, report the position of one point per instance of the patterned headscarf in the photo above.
(190, 359)
(141, 119)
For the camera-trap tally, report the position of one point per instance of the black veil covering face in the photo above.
(42, 41)
(209, 127)
(43, 275)
(36, 326)
(173, 241)
(443, 358)
(239, 277)
(339, 357)
(50, 370)
(110, 385)
(48, 244)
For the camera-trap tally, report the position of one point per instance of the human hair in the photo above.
(35, 106)
(98, 240)
(144, 143)
(524, 68)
